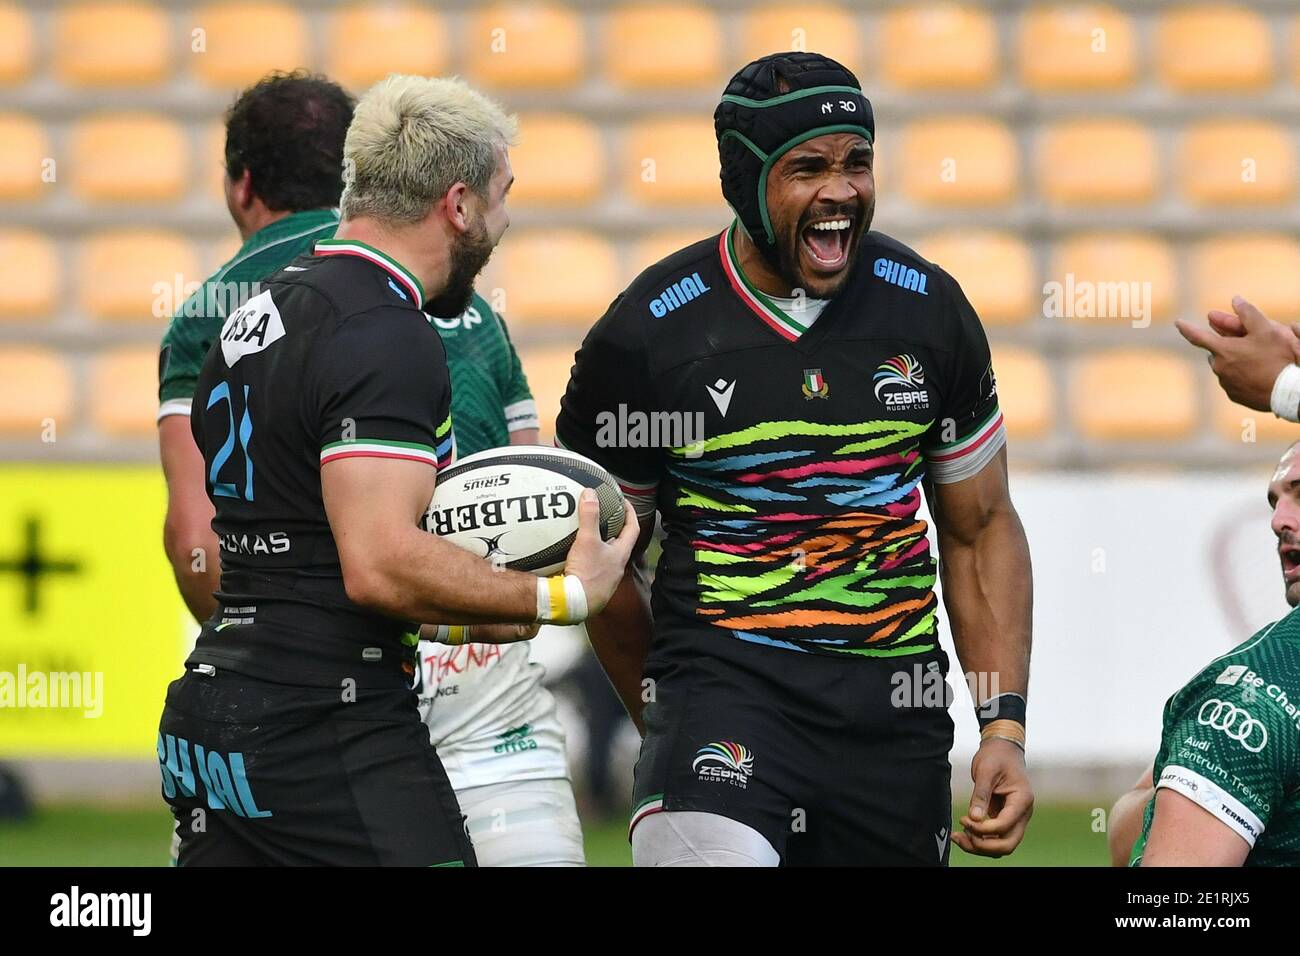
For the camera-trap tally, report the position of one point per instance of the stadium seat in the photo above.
(125, 385)
(994, 269)
(135, 275)
(128, 157)
(547, 368)
(211, 164)
(555, 277)
(560, 158)
(525, 44)
(17, 44)
(1245, 426)
(653, 47)
(1132, 394)
(1079, 47)
(647, 251)
(671, 161)
(235, 44)
(366, 43)
(1238, 163)
(1097, 161)
(959, 161)
(825, 29)
(938, 46)
(1263, 267)
(24, 158)
(29, 275)
(1025, 392)
(35, 385)
(114, 44)
(1103, 259)
(1213, 49)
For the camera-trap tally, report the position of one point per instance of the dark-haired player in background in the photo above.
(284, 173)
(835, 372)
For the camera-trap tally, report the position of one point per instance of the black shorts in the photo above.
(258, 773)
(813, 752)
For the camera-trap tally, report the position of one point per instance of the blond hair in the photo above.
(412, 138)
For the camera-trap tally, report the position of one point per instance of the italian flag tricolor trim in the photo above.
(350, 247)
(373, 448)
(763, 307)
(651, 804)
(968, 445)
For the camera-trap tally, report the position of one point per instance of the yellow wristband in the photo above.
(1011, 730)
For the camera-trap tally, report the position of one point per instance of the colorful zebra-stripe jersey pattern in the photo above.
(807, 533)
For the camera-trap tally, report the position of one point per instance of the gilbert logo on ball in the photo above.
(518, 506)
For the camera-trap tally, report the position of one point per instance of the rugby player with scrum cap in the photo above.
(836, 374)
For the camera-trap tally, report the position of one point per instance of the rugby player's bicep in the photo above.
(1184, 833)
(963, 509)
(372, 503)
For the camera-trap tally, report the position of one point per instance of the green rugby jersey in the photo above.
(489, 393)
(490, 399)
(1231, 742)
(197, 322)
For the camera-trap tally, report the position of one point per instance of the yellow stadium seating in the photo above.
(1102, 259)
(525, 44)
(135, 275)
(115, 44)
(233, 45)
(17, 44)
(29, 275)
(1262, 267)
(35, 386)
(547, 368)
(960, 161)
(647, 251)
(664, 46)
(1132, 394)
(938, 46)
(1079, 47)
(125, 385)
(25, 158)
(1237, 162)
(1237, 423)
(211, 162)
(128, 157)
(560, 158)
(367, 42)
(1213, 49)
(671, 161)
(825, 29)
(994, 269)
(536, 292)
(1097, 161)
(1025, 392)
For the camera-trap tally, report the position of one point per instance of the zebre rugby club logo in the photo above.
(900, 384)
(724, 760)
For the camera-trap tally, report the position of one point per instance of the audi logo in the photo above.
(1234, 721)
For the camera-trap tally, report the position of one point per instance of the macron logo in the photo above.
(678, 294)
(720, 391)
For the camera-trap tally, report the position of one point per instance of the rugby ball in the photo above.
(517, 506)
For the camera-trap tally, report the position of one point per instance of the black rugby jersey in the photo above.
(787, 463)
(332, 359)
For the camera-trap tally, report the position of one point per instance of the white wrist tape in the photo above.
(561, 599)
(1285, 400)
(452, 634)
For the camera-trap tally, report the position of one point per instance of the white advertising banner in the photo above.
(1138, 583)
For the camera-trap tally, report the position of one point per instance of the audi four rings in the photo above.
(1234, 721)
